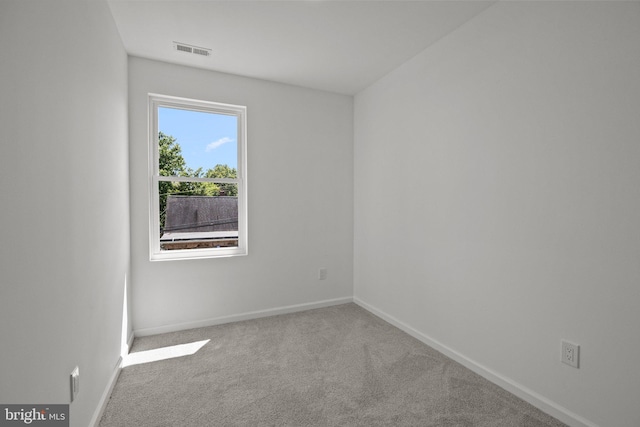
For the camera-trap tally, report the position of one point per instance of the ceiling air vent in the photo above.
(182, 47)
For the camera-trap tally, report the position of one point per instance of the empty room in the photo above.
(320, 213)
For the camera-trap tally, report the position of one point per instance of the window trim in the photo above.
(155, 102)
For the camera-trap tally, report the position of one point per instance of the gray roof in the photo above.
(201, 213)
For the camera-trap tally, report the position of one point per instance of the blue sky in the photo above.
(206, 139)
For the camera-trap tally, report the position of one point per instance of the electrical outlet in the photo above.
(570, 353)
(75, 383)
(322, 274)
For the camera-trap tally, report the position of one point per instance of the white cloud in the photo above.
(215, 144)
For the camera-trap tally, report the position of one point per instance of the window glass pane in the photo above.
(195, 215)
(194, 143)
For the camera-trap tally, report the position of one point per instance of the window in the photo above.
(197, 178)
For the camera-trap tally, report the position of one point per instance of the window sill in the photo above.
(191, 254)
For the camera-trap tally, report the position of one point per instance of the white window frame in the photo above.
(155, 253)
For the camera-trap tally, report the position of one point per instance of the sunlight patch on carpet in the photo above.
(163, 353)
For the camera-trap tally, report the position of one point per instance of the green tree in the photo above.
(170, 160)
(224, 171)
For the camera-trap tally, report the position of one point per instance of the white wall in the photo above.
(300, 187)
(64, 213)
(497, 199)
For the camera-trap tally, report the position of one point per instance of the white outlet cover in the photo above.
(570, 354)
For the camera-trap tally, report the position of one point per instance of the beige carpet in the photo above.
(336, 366)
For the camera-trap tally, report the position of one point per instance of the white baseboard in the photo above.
(239, 317)
(535, 399)
(102, 404)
